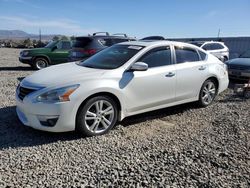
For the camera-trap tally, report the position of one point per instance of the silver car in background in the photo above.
(123, 80)
(218, 49)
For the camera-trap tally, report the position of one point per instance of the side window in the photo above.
(66, 45)
(106, 42)
(202, 55)
(157, 57)
(59, 45)
(185, 54)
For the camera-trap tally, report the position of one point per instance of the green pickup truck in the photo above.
(53, 53)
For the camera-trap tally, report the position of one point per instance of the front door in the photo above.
(60, 53)
(154, 87)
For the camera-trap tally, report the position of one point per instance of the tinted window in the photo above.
(112, 57)
(212, 46)
(202, 55)
(184, 54)
(82, 42)
(157, 57)
(66, 45)
(106, 42)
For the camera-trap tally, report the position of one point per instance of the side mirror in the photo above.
(139, 66)
(53, 48)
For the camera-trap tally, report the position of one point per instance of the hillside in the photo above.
(18, 34)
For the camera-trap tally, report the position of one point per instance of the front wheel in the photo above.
(40, 63)
(97, 116)
(208, 93)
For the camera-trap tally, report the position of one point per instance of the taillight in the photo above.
(90, 51)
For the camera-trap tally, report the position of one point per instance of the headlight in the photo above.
(24, 53)
(57, 95)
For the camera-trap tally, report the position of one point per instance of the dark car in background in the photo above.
(239, 68)
(87, 46)
(53, 53)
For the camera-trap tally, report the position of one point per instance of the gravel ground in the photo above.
(182, 146)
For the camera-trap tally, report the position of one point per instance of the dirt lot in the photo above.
(182, 146)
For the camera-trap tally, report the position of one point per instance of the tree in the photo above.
(55, 38)
(64, 37)
(27, 42)
(72, 37)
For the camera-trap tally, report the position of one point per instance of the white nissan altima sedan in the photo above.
(123, 80)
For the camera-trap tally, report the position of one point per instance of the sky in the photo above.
(137, 18)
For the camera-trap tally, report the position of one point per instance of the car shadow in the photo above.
(16, 68)
(14, 134)
(157, 114)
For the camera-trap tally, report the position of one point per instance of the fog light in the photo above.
(48, 121)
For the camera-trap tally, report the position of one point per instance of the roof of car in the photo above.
(155, 42)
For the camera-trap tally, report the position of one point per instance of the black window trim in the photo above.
(155, 49)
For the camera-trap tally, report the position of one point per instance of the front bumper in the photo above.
(34, 114)
(25, 60)
(239, 74)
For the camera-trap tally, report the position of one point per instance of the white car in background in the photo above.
(218, 49)
(123, 80)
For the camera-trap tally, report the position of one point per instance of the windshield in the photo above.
(112, 57)
(246, 54)
(51, 44)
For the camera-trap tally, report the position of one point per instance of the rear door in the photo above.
(191, 71)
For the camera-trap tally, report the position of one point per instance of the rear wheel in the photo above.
(97, 116)
(208, 92)
(40, 63)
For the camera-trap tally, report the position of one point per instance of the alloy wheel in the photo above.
(208, 93)
(99, 116)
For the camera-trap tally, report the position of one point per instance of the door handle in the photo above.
(170, 74)
(202, 68)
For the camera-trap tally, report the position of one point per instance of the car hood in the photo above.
(61, 74)
(239, 61)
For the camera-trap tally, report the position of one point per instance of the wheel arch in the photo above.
(109, 94)
(215, 79)
(41, 56)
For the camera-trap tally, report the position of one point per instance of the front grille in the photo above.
(239, 67)
(24, 91)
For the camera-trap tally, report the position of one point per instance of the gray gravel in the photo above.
(182, 146)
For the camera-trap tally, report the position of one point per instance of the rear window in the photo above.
(106, 42)
(213, 46)
(82, 42)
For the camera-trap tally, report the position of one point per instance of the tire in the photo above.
(247, 94)
(91, 119)
(208, 93)
(40, 63)
(225, 59)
